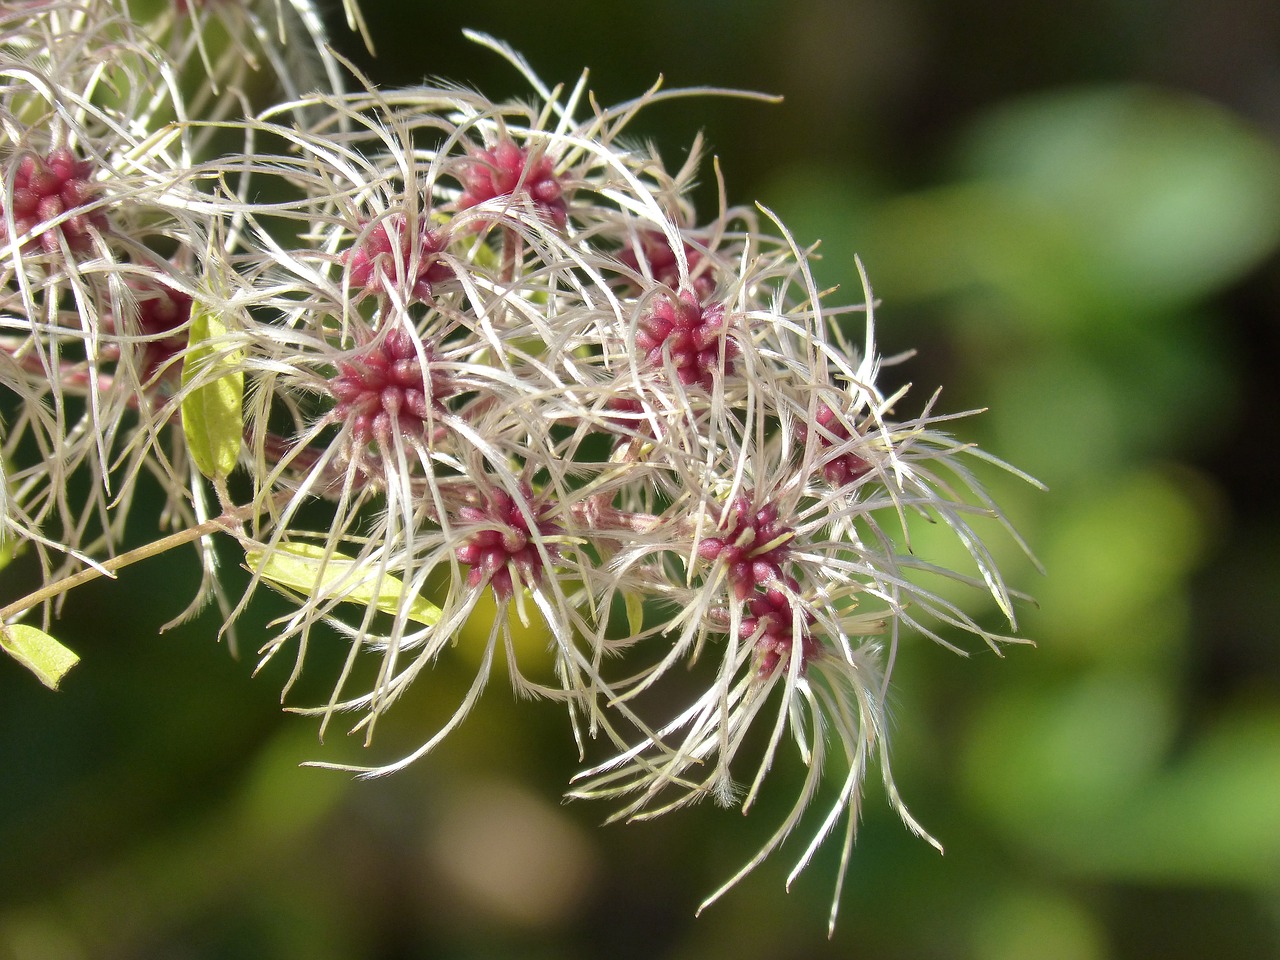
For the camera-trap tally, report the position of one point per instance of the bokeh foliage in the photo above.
(1073, 237)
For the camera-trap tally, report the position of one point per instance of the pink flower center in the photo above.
(753, 548)
(657, 255)
(771, 614)
(391, 387)
(509, 171)
(505, 551)
(372, 263)
(46, 189)
(689, 336)
(161, 310)
(842, 468)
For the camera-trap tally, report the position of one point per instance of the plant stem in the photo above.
(154, 548)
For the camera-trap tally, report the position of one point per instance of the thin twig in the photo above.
(155, 548)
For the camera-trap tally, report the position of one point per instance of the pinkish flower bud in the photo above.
(508, 541)
(372, 263)
(161, 310)
(47, 188)
(843, 468)
(754, 547)
(510, 171)
(772, 623)
(657, 255)
(390, 384)
(688, 335)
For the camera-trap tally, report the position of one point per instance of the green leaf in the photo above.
(635, 611)
(1168, 196)
(303, 567)
(10, 545)
(38, 652)
(8, 549)
(212, 418)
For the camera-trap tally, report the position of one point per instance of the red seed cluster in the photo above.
(657, 254)
(505, 551)
(754, 548)
(161, 310)
(390, 385)
(846, 467)
(691, 335)
(771, 613)
(372, 264)
(46, 188)
(510, 171)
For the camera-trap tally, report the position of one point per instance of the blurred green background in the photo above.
(1072, 212)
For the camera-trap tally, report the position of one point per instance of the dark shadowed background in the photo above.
(1071, 211)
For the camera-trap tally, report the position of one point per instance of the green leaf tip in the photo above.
(40, 653)
(305, 568)
(212, 415)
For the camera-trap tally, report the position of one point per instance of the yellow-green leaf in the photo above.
(212, 416)
(635, 611)
(8, 548)
(38, 652)
(303, 567)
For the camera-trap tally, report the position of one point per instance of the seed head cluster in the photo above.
(689, 336)
(504, 554)
(510, 173)
(390, 388)
(477, 365)
(371, 263)
(50, 203)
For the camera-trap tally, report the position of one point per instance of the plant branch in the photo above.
(109, 567)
